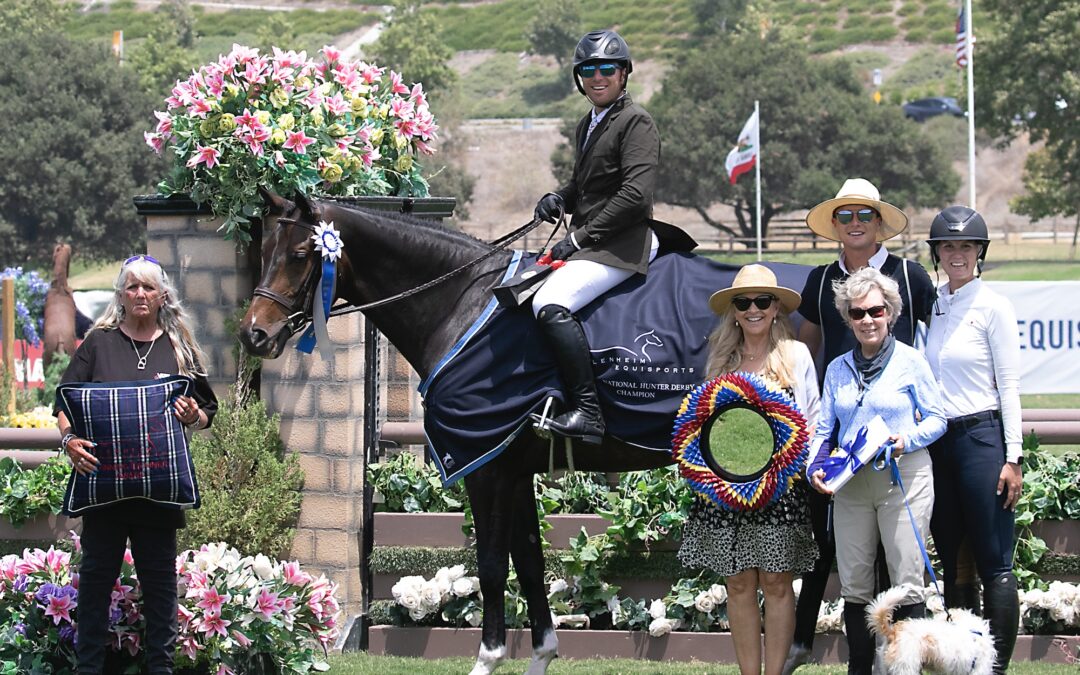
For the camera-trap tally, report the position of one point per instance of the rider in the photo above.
(617, 157)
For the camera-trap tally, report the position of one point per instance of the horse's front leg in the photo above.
(489, 497)
(529, 562)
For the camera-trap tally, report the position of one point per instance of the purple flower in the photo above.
(115, 614)
(21, 583)
(47, 590)
(67, 634)
(20, 628)
(67, 591)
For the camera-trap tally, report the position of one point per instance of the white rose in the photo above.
(613, 605)
(657, 609)
(719, 593)
(462, 587)
(704, 602)
(474, 618)
(660, 627)
(557, 586)
(456, 572)
(417, 613)
(409, 600)
(443, 575)
(431, 595)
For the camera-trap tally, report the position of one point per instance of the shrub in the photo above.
(250, 485)
(25, 494)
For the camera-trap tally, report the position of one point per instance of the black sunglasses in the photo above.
(590, 70)
(857, 313)
(136, 258)
(762, 301)
(845, 216)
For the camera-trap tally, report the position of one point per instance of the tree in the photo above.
(1026, 63)
(161, 59)
(555, 29)
(30, 18)
(1048, 195)
(73, 154)
(411, 44)
(818, 127)
(716, 16)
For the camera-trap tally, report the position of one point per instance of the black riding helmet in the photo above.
(601, 45)
(958, 223)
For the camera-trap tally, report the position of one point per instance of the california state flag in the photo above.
(743, 156)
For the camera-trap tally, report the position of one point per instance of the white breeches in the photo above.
(579, 282)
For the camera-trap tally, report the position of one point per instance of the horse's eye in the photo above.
(299, 254)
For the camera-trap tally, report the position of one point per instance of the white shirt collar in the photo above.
(876, 260)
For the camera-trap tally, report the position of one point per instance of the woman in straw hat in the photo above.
(763, 548)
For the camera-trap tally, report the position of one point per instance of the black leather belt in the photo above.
(968, 421)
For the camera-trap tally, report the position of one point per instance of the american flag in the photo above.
(961, 38)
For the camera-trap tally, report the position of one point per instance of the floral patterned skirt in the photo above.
(778, 538)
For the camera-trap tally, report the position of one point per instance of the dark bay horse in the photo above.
(386, 254)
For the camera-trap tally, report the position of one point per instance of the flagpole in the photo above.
(969, 48)
(757, 178)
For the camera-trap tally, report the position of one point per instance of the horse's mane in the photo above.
(432, 227)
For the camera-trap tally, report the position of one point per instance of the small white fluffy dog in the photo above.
(960, 646)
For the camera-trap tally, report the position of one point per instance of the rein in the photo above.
(298, 316)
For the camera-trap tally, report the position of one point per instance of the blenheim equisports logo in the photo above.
(643, 371)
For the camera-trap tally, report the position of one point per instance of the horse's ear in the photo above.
(274, 202)
(309, 207)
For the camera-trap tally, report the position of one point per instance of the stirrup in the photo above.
(542, 422)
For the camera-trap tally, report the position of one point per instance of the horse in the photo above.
(60, 311)
(386, 254)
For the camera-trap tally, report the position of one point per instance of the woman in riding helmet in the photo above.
(974, 348)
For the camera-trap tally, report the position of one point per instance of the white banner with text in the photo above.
(1048, 319)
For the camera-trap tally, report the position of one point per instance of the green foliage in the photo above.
(408, 486)
(555, 30)
(581, 590)
(277, 32)
(74, 152)
(165, 55)
(30, 18)
(816, 129)
(47, 393)
(1051, 492)
(650, 506)
(411, 43)
(24, 494)
(250, 484)
(1046, 194)
(716, 16)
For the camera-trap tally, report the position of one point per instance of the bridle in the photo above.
(298, 308)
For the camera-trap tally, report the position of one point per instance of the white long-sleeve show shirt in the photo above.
(973, 347)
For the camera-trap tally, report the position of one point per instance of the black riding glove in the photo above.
(564, 249)
(549, 208)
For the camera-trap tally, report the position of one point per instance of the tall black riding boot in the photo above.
(964, 596)
(1001, 607)
(860, 640)
(916, 611)
(583, 420)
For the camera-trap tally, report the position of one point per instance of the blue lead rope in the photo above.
(895, 468)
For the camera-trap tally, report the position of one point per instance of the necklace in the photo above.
(749, 357)
(142, 357)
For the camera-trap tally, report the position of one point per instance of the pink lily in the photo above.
(402, 108)
(59, 608)
(224, 670)
(294, 575)
(267, 604)
(213, 624)
(297, 141)
(243, 54)
(337, 105)
(212, 601)
(254, 72)
(396, 84)
(203, 155)
(154, 141)
(289, 59)
(331, 53)
(164, 125)
(424, 148)
(199, 107)
(241, 639)
(247, 119)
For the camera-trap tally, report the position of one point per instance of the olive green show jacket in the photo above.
(611, 190)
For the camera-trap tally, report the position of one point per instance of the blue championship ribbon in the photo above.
(328, 242)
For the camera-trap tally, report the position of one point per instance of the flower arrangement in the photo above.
(290, 124)
(1055, 611)
(450, 595)
(233, 612)
(30, 292)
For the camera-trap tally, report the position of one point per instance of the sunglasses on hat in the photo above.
(590, 70)
(845, 216)
(857, 313)
(136, 258)
(762, 302)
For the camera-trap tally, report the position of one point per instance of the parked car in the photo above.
(924, 108)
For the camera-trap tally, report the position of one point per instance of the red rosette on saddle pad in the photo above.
(728, 491)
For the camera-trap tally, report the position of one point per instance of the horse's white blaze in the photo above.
(543, 654)
(488, 660)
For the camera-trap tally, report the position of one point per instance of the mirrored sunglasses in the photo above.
(762, 302)
(590, 70)
(136, 258)
(845, 216)
(857, 313)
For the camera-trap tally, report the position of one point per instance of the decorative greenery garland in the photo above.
(789, 440)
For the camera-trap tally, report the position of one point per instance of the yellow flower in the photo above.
(384, 111)
(403, 163)
(400, 142)
(232, 90)
(263, 116)
(303, 82)
(208, 127)
(331, 152)
(325, 88)
(227, 123)
(353, 162)
(332, 173)
(278, 98)
(316, 118)
(277, 136)
(376, 136)
(336, 130)
(359, 106)
(286, 121)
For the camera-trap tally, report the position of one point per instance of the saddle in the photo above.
(649, 342)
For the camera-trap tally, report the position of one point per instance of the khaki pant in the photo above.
(870, 508)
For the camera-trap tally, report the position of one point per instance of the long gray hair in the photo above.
(172, 318)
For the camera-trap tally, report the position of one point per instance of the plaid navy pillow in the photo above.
(141, 446)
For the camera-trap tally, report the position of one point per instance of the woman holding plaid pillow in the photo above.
(144, 334)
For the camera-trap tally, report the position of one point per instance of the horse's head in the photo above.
(281, 305)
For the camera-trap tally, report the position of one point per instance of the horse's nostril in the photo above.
(256, 338)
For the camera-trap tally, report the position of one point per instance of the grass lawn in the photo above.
(363, 664)
(88, 277)
(1033, 271)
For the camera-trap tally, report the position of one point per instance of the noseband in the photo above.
(296, 308)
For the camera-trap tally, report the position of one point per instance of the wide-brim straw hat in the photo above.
(857, 191)
(755, 279)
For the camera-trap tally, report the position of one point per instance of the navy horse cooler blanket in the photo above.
(140, 445)
(649, 343)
